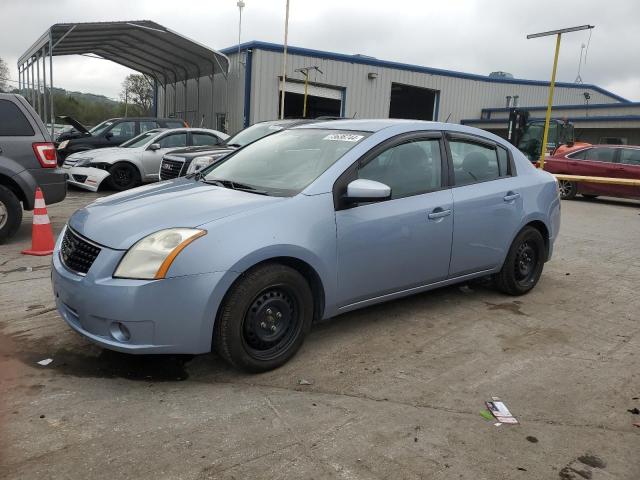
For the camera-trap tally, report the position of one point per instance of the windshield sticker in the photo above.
(275, 127)
(343, 137)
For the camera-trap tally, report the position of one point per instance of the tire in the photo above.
(10, 214)
(568, 190)
(123, 176)
(523, 266)
(264, 318)
(589, 196)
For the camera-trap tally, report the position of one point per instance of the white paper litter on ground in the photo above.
(45, 362)
(501, 412)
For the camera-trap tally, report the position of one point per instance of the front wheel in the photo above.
(523, 265)
(264, 319)
(123, 176)
(568, 190)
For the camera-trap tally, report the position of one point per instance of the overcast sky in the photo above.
(464, 35)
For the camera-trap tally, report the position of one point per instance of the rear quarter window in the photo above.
(13, 122)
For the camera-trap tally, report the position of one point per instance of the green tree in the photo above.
(137, 90)
(4, 76)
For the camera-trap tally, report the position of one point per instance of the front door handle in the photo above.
(439, 213)
(511, 196)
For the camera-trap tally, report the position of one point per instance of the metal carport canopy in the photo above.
(143, 45)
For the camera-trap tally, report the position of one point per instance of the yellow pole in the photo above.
(304, 105)
(547, 118)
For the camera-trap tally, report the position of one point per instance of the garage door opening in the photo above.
(316, 106)
(411, 102)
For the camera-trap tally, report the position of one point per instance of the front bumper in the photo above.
(89, 178)
(173, 315)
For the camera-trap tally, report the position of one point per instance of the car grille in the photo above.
(76, 253)
(171, 168)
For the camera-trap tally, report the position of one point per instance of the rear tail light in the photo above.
(46, 154)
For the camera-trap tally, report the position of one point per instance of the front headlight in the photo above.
(83, 162)
(151, 257)
(199, 163)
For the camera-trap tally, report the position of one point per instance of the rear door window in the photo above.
(147, 125)
(630, 156)
(201, 138)
(13, 122)
(474, 162)
(600, 154)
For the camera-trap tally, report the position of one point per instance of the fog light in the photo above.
(120, 332)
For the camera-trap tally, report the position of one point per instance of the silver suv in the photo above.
(27, 160)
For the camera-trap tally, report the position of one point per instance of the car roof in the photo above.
(375, 125)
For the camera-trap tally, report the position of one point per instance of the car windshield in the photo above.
(101, 127)
(140, 140)
(253, 133)
(283, 164)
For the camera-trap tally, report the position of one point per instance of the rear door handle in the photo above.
(439, 213)
(511, 196)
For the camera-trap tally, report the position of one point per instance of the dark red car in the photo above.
(616, 161)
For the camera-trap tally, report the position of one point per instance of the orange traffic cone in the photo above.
(42, 235)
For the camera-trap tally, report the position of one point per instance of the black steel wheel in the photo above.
(123, 176)
(264, 318)
(568, 190)
(523, 265)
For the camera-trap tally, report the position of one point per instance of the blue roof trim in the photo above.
(568, 107)
(363, 60)
(601, 118)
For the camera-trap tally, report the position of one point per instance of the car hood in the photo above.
(74, 123)
(120, 220)
(98, 152)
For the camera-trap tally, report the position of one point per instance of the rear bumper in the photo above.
(52, 182)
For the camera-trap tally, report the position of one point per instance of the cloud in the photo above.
(466, 35)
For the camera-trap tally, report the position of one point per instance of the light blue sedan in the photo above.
(302, 225)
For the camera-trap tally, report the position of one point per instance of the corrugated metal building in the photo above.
(365, 87)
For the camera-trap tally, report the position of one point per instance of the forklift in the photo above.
(527, 135)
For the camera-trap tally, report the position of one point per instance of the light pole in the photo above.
(305, 72)
(284, 60)
(240, 5)
(547, 119)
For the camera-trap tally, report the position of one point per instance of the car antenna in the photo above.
(448, 117)
(354, 115)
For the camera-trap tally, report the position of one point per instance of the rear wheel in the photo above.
(523, 265)
(568, 190)
(10, 214)
(264, 318)
(123, 176)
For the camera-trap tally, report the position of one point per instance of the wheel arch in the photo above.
(304, 267)
(19, 192)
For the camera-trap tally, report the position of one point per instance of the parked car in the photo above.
(27, 161)
(616, 161)
(190, 160)
(307, 224)
(136, 161)
(109, 133)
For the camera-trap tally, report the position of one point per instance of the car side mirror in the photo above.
(154, 146)
(363, 190)
(108, 135)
